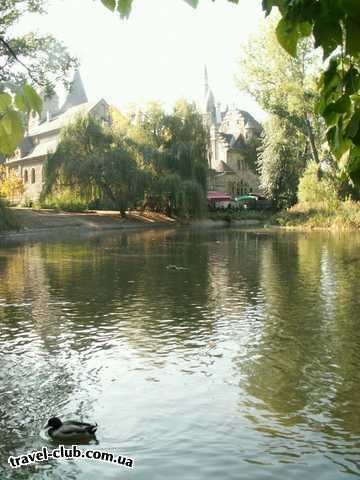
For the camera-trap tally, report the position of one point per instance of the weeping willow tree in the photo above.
(172, 148)
(150, 159)
(94, 165)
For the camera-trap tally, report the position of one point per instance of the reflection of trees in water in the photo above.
(305, 366)
(35, 382)
(291, 301)
(119, 286)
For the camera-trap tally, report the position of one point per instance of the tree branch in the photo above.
(14, 55)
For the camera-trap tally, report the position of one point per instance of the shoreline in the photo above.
(40, 223)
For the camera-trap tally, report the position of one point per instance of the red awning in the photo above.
(218, 196)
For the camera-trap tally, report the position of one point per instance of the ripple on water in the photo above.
(247, 362)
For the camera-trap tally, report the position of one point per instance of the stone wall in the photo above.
(31, 171)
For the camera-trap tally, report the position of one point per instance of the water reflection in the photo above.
(245, 358)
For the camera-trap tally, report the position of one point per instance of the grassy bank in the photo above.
(8, 220)
(341, 216)
(264, 216)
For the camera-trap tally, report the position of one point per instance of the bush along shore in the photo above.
(8, 220)
(340, 216)
(344, 216)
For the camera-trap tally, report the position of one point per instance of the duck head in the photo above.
(54, 423)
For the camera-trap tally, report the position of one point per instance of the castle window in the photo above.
(33, 175)
(26, 176)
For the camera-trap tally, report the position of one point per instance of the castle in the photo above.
(232, 147)
(43, 134)
(233, 136)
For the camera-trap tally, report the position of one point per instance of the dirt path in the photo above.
(39, 220)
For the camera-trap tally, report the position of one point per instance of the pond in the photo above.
(213, 354)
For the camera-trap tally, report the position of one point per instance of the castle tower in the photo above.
(206, 82)
(49, 111)
(50, 108)
(209, 107)
(77, 94)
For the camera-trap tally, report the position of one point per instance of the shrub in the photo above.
(313, 190)
(66, 201)
(7, 218)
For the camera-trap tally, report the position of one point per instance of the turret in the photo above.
(77, 94)
(209, 102)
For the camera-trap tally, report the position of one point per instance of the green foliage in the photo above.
(264, 65)
(39, 60)
(149, 159)
(66, 200)
(7, 218)
(93, 163)
(171, 151)
(11, 185)
(319, 216)
(243, 215)
(313, 189)
(123, 7)
(335, 25)
(281, 162)
(12, 130)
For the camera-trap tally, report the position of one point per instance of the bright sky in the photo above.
(159, 52)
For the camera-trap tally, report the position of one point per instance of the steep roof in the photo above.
(42, 149)
(250, 121)
(77, 94)
(224, 168)
(228, 138)
(62, 119)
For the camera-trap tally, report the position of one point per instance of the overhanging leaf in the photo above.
(352, 8)
(353, 166)
(328, 34)
(287, 36)
(21, 102)
(192, 3)
(305, 29)
(12, 123)
(5, 101)
(352, 36)
(11, 131)
(267, 6)
(342, 105)
(124, 7)
(32, 98)
(352, 81)
(110, 4)
(354, 125)
(338, 144)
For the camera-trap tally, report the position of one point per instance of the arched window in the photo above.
(26, 176)
(33, 175)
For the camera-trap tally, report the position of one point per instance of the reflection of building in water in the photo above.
(25, 283)
(234, 135)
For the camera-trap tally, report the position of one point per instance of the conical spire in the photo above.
(209, 99)
(77, 94)
(206, 81)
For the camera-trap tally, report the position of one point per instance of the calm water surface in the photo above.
(245, 364)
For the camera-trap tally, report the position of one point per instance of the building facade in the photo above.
(43, 135)
(233, 137)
